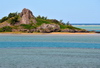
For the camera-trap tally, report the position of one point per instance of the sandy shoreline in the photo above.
(43, 33)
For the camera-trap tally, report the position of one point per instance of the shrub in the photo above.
(6, 29)
(3, 19)
(28, 26)
(12, 15)
(71, 27)
(63, 27)
(41, 17)
(41, 21)
(13, 20)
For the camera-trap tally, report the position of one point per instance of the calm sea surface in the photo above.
(50, 51)
(71, 41)
(89, 27)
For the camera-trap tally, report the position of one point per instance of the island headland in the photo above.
(26, 22)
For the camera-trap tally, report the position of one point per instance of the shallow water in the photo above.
(50, 51)
(49, 58)
(71, 41)
(89, 27)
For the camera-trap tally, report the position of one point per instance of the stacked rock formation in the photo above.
(27, 17)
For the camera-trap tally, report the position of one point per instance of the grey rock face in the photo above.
(47, 28)
(73, 30)
(27, 17)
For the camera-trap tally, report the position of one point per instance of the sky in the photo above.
(74, 11)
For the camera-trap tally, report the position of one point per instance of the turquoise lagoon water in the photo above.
(50, 51)
(89, 27)
(71, 41)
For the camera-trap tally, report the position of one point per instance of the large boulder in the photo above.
(27, 17)
(47, 28)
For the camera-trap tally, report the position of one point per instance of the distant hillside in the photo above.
(27, 22)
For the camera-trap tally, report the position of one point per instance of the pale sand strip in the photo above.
(42, 33)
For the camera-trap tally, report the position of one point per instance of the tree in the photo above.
(61, 21)
(14, 20)
(38, 16)
(45, 18)
(41, 17)
(6, 29)
(12, 15)
(68, 23)
(3, 19)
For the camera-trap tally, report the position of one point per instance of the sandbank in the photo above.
(35, 33)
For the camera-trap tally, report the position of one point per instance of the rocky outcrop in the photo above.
(73, 30)
(27, 17)
(47, 28)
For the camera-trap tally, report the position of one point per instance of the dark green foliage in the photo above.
(14, 20)
(28, 26)
(68, 23)
(12, 15)
(6, 29)
(55, 21)
(38, 17)
(3, 19)
(41, 17)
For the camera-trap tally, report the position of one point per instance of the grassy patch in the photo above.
(41, 21)
(71, 27)
(28, 26)
(62, 26)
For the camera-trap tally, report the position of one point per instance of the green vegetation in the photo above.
(12, 15)
(12, 18)
(41, 19)
(28, 26)
(71, 27)
(3, 19)
(6, 29)
(62, 26)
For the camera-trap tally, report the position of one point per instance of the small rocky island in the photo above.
(28, 23)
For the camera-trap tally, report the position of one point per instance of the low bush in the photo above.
(6, 29)
(3, 19)
(28, 26)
